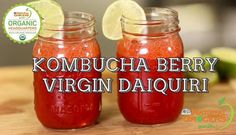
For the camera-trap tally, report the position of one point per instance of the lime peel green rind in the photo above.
(225, 54)
(49, 17)
(212, 76)
(227, 63)
(111, 25)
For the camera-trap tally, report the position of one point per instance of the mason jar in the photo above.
(156, 37)
(75, 39)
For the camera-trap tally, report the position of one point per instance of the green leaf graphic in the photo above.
(221, 100)
(231, 111)
(199, 118)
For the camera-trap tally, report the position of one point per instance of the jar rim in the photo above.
(78, 26)
(74, 20)
(159, 22)
(153, 15)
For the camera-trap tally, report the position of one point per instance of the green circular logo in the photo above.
(22, 24)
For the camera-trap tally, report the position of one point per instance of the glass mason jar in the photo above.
(75, 39)
(156, 37)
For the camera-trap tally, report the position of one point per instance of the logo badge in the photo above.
(219, 118)
(22, 24)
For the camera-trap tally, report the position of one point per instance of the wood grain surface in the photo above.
(17, 116)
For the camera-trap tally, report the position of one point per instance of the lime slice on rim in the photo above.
(52, 15)
(212, 76)
(227, 64)
(111, 24)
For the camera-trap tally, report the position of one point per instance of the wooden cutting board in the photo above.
(17, 115)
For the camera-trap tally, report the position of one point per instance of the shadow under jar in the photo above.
(75, 39)
(156, 37)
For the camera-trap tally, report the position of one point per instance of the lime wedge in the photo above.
(111, 24)
(212, 76)
(227, 64)
(52, 15)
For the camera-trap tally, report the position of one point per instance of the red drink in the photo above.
(68, 110)
(159, 41)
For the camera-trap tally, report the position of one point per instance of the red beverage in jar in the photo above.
(76, 39)
(159, 38)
